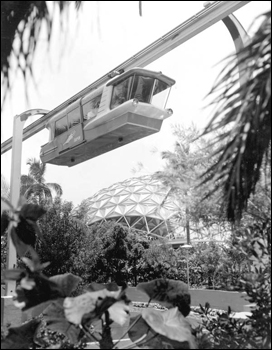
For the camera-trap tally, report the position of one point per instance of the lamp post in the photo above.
(15, 180)
(187, 247)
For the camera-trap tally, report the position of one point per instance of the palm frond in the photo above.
(39, 190)
(56, 187)
(36, 169)
(247, 109)
(23, 21)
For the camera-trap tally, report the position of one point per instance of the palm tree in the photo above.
(33, 185)
(243, 115)
(21, 22)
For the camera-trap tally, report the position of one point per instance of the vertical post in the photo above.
(187, 247)
(188, 276)
(15, 180)
(15, 176)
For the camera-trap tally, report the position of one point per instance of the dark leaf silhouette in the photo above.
(26, 230)
(32, 211)
(169, 293)
(21, 247)
(43, 290)
(4, 222)
(21, 337)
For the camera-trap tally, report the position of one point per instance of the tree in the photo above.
(62, 238)
(21, 24)
(243, 112)
(33, 185)
(183, 167)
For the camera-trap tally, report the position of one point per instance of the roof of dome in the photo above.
(141, 196)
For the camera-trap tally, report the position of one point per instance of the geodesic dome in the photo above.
(140, 203)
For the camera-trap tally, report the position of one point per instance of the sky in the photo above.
(93, 42)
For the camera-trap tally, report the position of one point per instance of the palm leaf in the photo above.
(246, 110)
(56, 187)
(22, 21)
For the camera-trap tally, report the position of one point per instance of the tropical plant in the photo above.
(62, 238)
(243, 112)
(181, 172)
(33, 185)
(21, 24)
(73, 316)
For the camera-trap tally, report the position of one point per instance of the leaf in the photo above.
(91, 305)
(13, 274)
(6, 205)
(32, 211)
(202, 308)
(66, 282)
(56, 321)
(20, 246)
(207, 306)
(4, 222)
(229, 310)
(171, 324)
(43, 291)
(119, 312)
(26, 231)
(169, 293)
(139, 329)
(21, 337)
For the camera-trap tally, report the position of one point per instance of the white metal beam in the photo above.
(202, 20)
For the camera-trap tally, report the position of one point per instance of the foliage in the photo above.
(63, 238)
(21, 24)
(243, 112)
(33, 186)
(183, 167)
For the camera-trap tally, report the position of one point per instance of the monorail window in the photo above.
(90, 109)
(61, 126)
(160, 94)
(121, 93)
(142, 88)
(74, 117)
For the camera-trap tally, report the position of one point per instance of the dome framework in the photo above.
(140, 203)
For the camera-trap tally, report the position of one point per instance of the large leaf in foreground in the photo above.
(21, 337)
(90, 306)
(56, 321)
(66, 282)
(169, 293)
(150, 333)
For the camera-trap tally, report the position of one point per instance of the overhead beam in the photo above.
(196, 24)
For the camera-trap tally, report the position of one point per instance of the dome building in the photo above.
(140, 203)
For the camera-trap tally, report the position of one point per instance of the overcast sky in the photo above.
(92, 43)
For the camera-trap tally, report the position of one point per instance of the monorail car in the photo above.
(128, 107)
